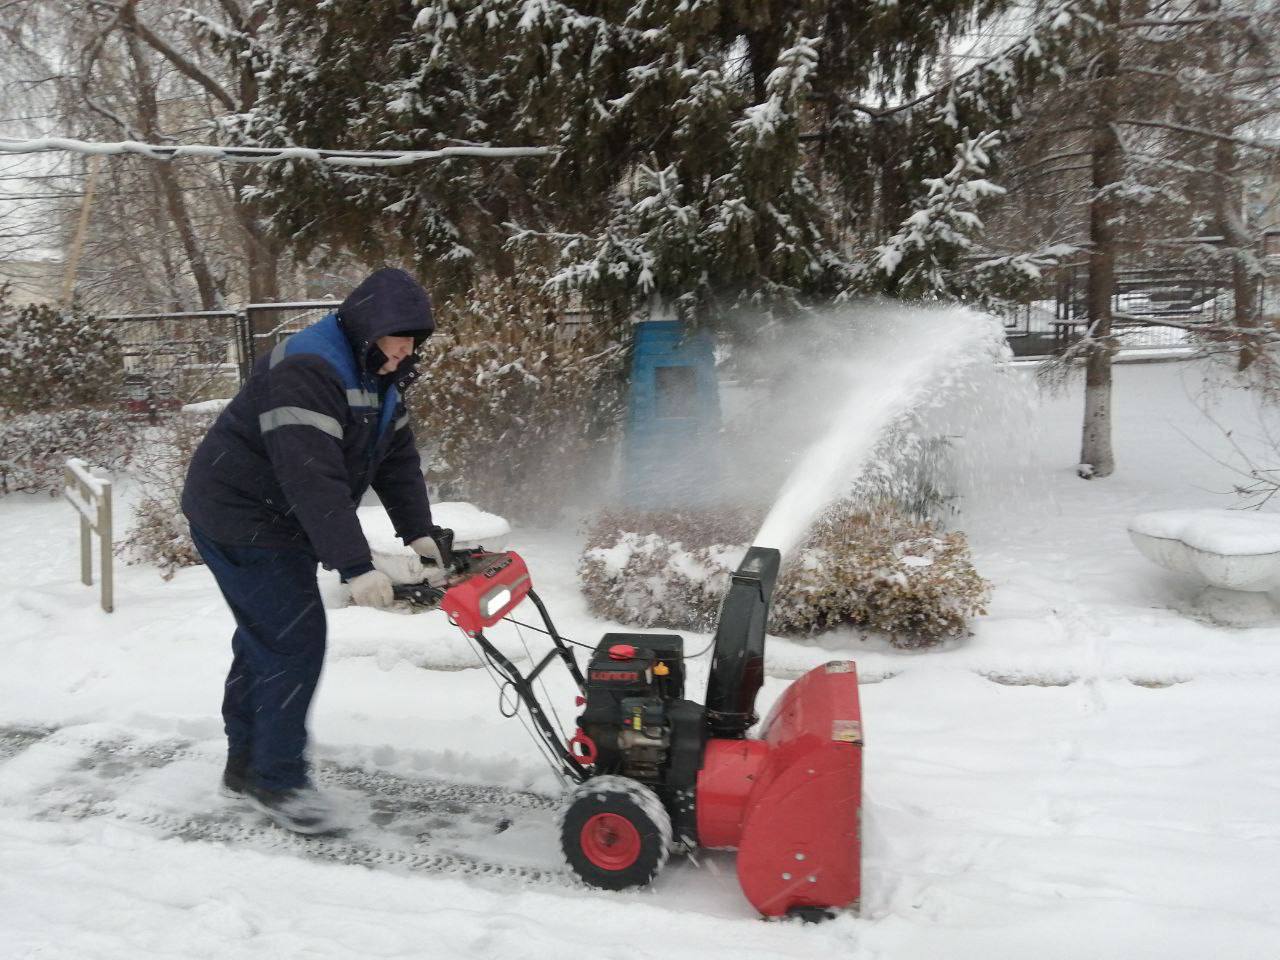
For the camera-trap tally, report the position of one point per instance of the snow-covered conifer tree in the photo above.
(718, 158)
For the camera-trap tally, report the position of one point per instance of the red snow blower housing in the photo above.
(655, 769)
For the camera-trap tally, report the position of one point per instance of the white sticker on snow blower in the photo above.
(846, 731)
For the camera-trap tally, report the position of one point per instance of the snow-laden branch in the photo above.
(345, 158)
(947, 220)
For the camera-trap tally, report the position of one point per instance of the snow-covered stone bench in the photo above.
(1235, 553)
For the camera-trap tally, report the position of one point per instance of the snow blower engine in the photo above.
(656, 770)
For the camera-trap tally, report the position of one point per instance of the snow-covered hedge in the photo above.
(160, 533)
(877, 571)
(59, 375)
(516, 407)
(54, 360)
(34, 447)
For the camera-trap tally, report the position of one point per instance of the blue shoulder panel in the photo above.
(325, 339)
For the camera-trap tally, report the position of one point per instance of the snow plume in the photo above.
(854, 375)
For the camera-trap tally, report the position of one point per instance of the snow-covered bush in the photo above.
(54, 360)
(34, 447)
(160, 533)
(875, 570)
(662, 569)
(515, 406)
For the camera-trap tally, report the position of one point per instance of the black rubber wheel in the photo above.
(615, 833)
(811, 914)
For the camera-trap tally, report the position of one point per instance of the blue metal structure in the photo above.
(672, 446)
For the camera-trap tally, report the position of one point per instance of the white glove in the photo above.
(401, 567)
(372, 589)
(434, 573)
(428, 548)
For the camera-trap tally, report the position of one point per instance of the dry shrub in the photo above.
(871, 569)
(160, 533)
(880, 571)
(35, 447)
(517, 408)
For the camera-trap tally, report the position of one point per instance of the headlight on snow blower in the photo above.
(494, 601)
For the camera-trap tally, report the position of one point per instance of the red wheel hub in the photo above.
(610, 841)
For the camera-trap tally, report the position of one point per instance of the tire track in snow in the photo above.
(269, 838)
(96, 766)
(102, 751)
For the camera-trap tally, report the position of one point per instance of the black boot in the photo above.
(302, 809)
(235, 777)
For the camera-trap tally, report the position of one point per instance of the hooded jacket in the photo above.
(287, 462)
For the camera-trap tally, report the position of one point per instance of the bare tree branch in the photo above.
(128, 129)
(131, 22)
(1201, 132)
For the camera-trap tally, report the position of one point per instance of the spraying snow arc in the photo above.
(895, 359)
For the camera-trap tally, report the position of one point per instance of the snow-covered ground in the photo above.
(1090, 775)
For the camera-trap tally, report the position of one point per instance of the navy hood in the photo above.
(388, 302)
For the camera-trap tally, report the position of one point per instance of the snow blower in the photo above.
(655, 770)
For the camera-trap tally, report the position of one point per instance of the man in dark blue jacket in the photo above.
(273, 489)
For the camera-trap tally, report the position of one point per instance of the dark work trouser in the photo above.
(277, 651)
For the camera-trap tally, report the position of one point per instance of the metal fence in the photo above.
(176, 358)
(1152, 309)
(170, 359)
(266, 324)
